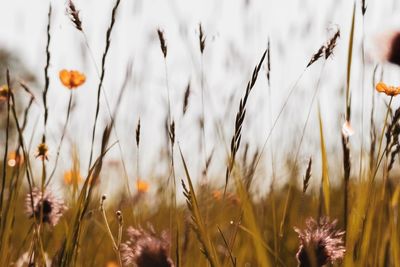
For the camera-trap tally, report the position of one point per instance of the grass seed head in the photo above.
(163, 43)
(73, 14)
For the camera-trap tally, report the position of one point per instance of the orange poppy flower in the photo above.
(72, 177)
(72, 79)
(389, 90)
(142, 186)
(4, 92)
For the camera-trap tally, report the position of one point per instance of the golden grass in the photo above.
(214, 226)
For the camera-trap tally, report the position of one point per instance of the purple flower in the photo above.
(53, 207)
(320, 243)
(145, 249)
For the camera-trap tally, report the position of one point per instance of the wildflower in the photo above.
(389, 90)
(112, 264)
(42, 152)
(320, 243)
(72, 177)
(142, 186)
(4, 92)
(145, 249)
(388, 45)
(15, 159)
(52, 207)
(72, 79)
(217, 195)
(233, 199)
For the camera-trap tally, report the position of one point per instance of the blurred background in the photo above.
(237, 33)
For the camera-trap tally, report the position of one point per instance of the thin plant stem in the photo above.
(380, 157)
(114, 244)
(62, 137)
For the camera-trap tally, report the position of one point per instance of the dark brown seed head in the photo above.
(163, 44)
(307, 177)
(74, 15)
(202, 39)
(331, 44)
(316, 56)
(138, 133)
(186, 98)
(363, 7)
(172, 132)
(326, 49)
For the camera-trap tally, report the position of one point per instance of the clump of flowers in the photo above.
(388, 90)
(42, 152)
(144, 249)
(51, 206)
(320, 243)
(72, 78)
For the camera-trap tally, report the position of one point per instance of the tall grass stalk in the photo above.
(289, 194)
(363, 10)
(240, 116)
(76, 20)
(325, 183)
(103, 62)
(345, 140)
(64, 130)
(379, 155)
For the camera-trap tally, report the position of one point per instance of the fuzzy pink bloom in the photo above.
(320, 243)
(386, 47)
(53, 207)
(145, 249)
(393, 55)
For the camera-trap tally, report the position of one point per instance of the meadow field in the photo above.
(194, 151)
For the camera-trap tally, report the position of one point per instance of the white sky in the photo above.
(236, 38)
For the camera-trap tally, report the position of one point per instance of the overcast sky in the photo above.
(237, 32)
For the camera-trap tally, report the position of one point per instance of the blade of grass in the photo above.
(250, 222)
(200, 228)
(325, 171)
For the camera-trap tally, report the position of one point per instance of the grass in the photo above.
(223, 220)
